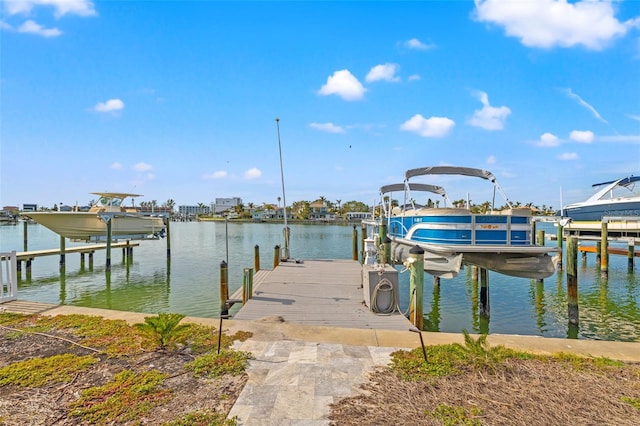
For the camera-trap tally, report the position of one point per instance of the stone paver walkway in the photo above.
(294, 382)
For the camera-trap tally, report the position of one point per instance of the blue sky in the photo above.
(178, 99)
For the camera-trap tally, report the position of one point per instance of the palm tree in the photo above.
(279, 201)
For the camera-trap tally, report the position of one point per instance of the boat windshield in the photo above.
(110, 201)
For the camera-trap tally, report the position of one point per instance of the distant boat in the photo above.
(451, 236)
(127, 222)
(615, 198)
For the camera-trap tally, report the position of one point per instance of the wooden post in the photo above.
(533, 232)
(630, 255)
(560, 239)
(363, 235)
(436, 281)
(386, 251)
(354, 244)
(474, 273)
(62, 252)
(598, 252)
(604, 258)
(224, 288)
(247, 285)
(572, 280)
(25, 242)
(484, 293)
(416, 286)
(109, 233)
(540, 241)
(82, 261)
(167, 221)
(91, 261)
(276, 256)
(256, 258)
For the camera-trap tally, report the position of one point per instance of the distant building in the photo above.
(187, 211)
(358, 216)
(225, 204)
(29, 207)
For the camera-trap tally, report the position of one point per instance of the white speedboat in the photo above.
(126, 222)
(451, 236)
(616, 198)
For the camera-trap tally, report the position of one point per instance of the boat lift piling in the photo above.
(416, 286)
(256, 258)
(354, 244)
(572, 281)
(604, 254)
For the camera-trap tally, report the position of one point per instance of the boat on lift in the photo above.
(498, 240)
(620, 197)
(91, 225)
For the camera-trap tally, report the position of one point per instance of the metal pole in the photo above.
(284, 199)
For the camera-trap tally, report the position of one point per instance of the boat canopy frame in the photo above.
(463, 171)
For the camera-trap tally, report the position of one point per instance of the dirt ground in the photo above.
(49, 405)
(523, 393)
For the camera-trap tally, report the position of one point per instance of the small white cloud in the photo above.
(551, 23)
(416, 44)
(31, 27)
(434, 127)
(581, 136)
(5, 26)
(342, 83)
(548, 140)
(116, 166)
(327, 127)
(220, 174)
(61, 7)
(491, 159)
(386, 72)
(252, 173)
(414, 77)
(489, 118)
(568, 156)
(634, 117)
(142, 167)
(109, 106)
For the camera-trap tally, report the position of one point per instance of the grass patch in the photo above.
(215, 365)
(203, 419)
(456, 415)
(36, 372)
(127, 397)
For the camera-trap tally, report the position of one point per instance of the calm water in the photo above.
(189, 283)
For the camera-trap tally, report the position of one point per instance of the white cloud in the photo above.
(416, 44)
(220, 174)
(342, 83)
(551, 23)
(110, 105)
(634, 117)
(548, 140)
(116, 166)
(434, 127)
(491, 159)
(327, 127)
(61, 7)
(489, 118)
(582, 102)
(386, 72)
(568, 156)
(582, 136)
(414, 77)
(252, 173)
(142, 167)
(31, 27)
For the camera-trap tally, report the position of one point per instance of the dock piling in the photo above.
(276, 256)
(604, 258)
(484, 293)
(560, 241)
(224, 288)
(168, 236)
(572, 281)
(416, 286)
(354, 244)
(62, 252)
(630, 255)
(256, 258)
(109, 236)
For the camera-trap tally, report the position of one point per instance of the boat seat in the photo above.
(517, 211)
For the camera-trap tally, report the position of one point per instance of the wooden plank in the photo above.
(612, 250)
(25, 255)
(317, 292)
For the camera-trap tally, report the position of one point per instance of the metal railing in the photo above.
(8, 276)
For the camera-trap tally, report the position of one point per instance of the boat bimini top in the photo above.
(407, 187)
(461, 171)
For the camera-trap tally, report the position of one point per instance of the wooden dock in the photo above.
(316, 292)
(28, 255)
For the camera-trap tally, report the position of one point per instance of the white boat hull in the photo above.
(88, 226)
